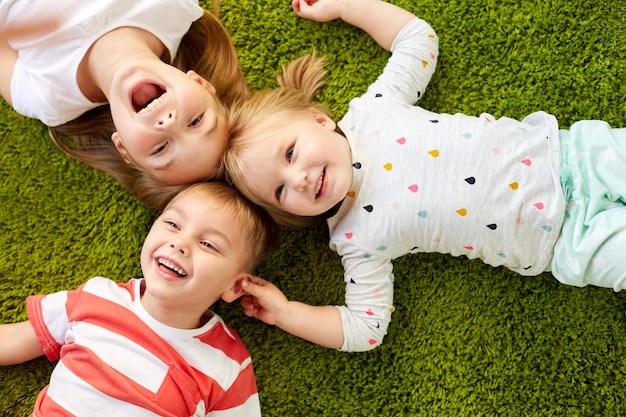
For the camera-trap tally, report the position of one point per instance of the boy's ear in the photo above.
(117, 140)
(201, 80)
(323, 119)
(236, 289)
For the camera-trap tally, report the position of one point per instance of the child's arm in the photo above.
(18, 343)
(8, 57)
(317, 324)
(381, 20)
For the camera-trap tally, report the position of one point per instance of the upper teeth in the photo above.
(171, 266)
(319, 183)
(153, 103)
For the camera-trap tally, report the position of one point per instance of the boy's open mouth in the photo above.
(147, 96)
(172, 267)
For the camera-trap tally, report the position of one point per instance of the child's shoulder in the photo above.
(222, 336)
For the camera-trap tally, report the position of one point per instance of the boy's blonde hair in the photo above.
(208, 50)
(257, 119)
(261, 233)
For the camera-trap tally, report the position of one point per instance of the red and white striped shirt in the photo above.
(116, 359)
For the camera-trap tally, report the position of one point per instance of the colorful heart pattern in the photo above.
(467, 189)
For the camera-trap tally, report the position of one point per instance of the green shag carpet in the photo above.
(466, 339)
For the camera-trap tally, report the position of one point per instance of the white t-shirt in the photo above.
(44, 84)
(480, 187)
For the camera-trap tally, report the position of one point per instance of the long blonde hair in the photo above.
(255, 120)
(207, 49)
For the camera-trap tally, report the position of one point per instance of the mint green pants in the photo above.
(591, 249)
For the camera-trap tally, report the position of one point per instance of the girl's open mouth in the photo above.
(147, 96)
(320, 183)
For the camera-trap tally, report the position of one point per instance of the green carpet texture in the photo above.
(466, 339)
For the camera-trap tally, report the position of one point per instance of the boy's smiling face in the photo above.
(194, 254)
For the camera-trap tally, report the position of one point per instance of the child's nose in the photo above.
(301, 181)
(178, 246)
(167, 119)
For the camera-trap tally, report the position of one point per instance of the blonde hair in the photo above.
(254, 120)
(261, 233)
(208, 50)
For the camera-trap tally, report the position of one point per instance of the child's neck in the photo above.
(177, 316)
(108, 52)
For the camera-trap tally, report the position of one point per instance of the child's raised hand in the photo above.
(262, 300)
(318, 10)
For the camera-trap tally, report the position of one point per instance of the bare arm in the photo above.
(37, 27)
(381, 20)
(8, 57)
(18, 343)
(317, 324)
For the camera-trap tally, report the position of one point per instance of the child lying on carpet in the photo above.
(164, 124)
(151, 346)
(394, 178)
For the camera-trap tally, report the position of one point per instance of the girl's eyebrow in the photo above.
(284, 145)
(210, 125)
(280, 152)
(163, 166)
(268, 192)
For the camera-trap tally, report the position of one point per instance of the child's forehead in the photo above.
(269, 125)
(198, 203)
(205, 208)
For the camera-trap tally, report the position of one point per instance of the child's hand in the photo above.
(263, 300)
(318, 10)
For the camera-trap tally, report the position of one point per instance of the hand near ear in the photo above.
(318, 324)
(263, 300)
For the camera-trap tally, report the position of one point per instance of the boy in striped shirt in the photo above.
(151, 346)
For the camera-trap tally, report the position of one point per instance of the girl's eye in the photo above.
(279, 191)
(197, 120)
(289, 153)
(159, 149)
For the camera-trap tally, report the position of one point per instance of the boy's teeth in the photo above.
(171, 266)
(153, 103)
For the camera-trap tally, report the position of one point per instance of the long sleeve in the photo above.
(369, 301)
(411, 65)
(367, 265)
